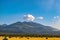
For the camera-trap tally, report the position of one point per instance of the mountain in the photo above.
(28, 27)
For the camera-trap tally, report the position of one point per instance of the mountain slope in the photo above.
(28, 27)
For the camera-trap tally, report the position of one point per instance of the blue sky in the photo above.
(13, 10)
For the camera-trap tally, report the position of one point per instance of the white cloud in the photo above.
(41, 18)
(56, 17)
(29, 17)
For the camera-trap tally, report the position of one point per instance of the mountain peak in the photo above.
(26, 21)
(28, 27)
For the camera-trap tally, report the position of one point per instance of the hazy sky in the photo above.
(46, 12)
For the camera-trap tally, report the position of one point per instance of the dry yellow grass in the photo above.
(30, 38)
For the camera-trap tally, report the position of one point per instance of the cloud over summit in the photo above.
(29, 17)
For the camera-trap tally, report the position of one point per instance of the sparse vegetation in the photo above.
(28, 35)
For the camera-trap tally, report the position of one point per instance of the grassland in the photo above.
(31, 38)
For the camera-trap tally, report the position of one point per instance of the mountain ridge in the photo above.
(28, 27)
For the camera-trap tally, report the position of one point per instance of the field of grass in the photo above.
(31, 38)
